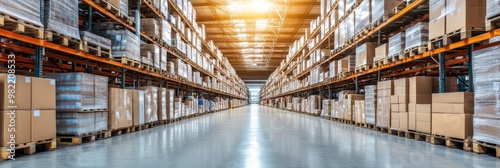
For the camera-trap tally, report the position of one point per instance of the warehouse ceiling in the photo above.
(255, 34)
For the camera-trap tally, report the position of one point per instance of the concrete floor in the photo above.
(254, 137)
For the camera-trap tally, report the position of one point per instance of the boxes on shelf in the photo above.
(348, 105)
(437, 18)
(138, 107)
(341, 8)
(382, 9)
(417, 36)
(327, 107)
(162, 104)
(364, 54)
(396, 45)
(123, 42)
(120, 108)
(451, 84)
(452, 114)
(28, 11)
(61, 17)
(384, 92)
(151, 27)
(122, 6)
(89, 37)
(492, 9)
(370, 104)
(150, 103)
(315, 104)
(381, 52)
(359, 111)
(350, 24)
(462, 15)
(363, 16)
(75, 123)
(152, 50)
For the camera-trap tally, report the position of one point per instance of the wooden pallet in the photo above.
(342, 74)
(480, 147)
(21, 26)
(380, 62)
(413, 51)
(128, 61)
(371, 126)
(356, 3)
(363, 68)
(382, 129)
(450, 142)
(419, 136)
(363, 32)
(96, 49)
(109, 7)
(136, 128)
(492, 23)
(86, 110)
(120, 131)
(63, 40)
(433, 43)
(393, 58)
(378, 22)
(363, 125)
(398, 132)
(83, 138)
(162, 122)
(27, 148)
(455, 36)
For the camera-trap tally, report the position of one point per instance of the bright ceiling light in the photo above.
(242, 35)
(254, 6)
(243, 44)
(260, 24)
(259, 5)
(254, 64)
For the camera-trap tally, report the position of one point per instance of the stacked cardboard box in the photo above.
(396, 45)
(61, 17)
(122, 6)
(120, 107)
(451, 84)
(363, 16)
(381, 9)
(123, 42)
(151, 27)
(463, 14)
(399, 105)
(150, 103)
(417, 35)
(349, 105)
(452, 114)
(327, 108)
(486, 95)
(364, 54)
(162, 104)
(359, 111)
(380, 52)
(150, 54)
(138, 107)
(437, 18)
(315, 104)
(370, 104)
(342, 108)
(384, 92)
(419, 106)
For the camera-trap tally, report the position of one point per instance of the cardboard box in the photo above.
(395, 120)
(162, 104)
(43, 93)
(487, 129)
(403, 121)
(120, 108)
(137, 107)
(22, 126)
(381, 52)
(394, 99)
(424, 127)
(403, 107)
(22, 91)
(437, 19)
(453, 97)
(170, 103)
(420, 85)
(467, 108)
(412, 121)
(423, 117)
(412, 107)
(420, 98)
(43, 125)
(401, 86)
(394, 107)
(365, 54)
(465, 15)
(452, 125)
(401, 91)
(423, 108)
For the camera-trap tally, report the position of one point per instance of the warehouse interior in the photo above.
(250, 83)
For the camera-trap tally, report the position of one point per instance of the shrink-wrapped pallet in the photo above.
(162, 104)
(122, 6)
(138, 107)
(364, 54)
(417, 35)
(363, 16)
(100, 92)
(325, 110)
(341, 8)
(384, 92)
(166, 32)
(95, 39)
(155, 53)
(151, 27)
(359, 115)
(370, 103)
(120, 108)
(350, 24)
(150, 103)
(101, 121)
(25, 10)
(492, 8)
(382, 8)
(62, 17)
(396, 44)
(123, 42)
(74, 123)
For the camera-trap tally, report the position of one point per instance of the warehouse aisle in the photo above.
(255, 136)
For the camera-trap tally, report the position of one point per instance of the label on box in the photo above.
(496, 86)
(28, 80)
(36, 113)
(52, 82)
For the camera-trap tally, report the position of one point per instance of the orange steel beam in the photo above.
(108, 14)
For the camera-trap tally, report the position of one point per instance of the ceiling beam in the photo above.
(226, 40)
(210, 4)
(250, 33)
(289, 25)
(255, 16)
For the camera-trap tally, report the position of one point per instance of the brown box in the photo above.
(437, 19)
(424, 127)
(394, 107)
(394, 99)
(467, 108)
(120, 108)
(420, 85)
(162, 104)
(465, 15)
(43, 94)
(453, 97)
(423, 108)
(22, 95)
(423, 117)
(388, 84)
(366, 56)
(22, 127)
(412, 121)
(403, 107)
(395, 120)
(412, 107)
(451, 84)
(381, 52)
(403, 98)
(487, 129)
(420, 98)
(403, 121)
(401, 86)
(43, 125)
(137, 107)
(452, 125)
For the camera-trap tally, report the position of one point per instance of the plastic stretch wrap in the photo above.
(333, 69)
(151, 27)
(162, 104)
(62, 17)
(364, 56)
(171, 68)
(486, 72)
(166, 32)
(381, 8)
(138, 107)
(124, 7)
(101, 121)
(123, 43)
(27, 10)
(155, 53)
(487, 129)
(75, 123)
(384, 92)
(100, 92)
(80, 91)
(95, 39)
(164, 8)
(163, 58)
(396, 44)
(341, 8)
(349, 4)
(363, 16)
(150, 103)
(351, 62)
(492, 8)
(417, 35)
(325, 110)
(350, 24)
(370, 103)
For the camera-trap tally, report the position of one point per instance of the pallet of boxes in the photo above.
(28, 115)
(82, 107)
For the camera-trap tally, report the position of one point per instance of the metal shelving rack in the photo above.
(455, 53)
(44, 53)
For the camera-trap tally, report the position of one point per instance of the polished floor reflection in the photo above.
(255, 137)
